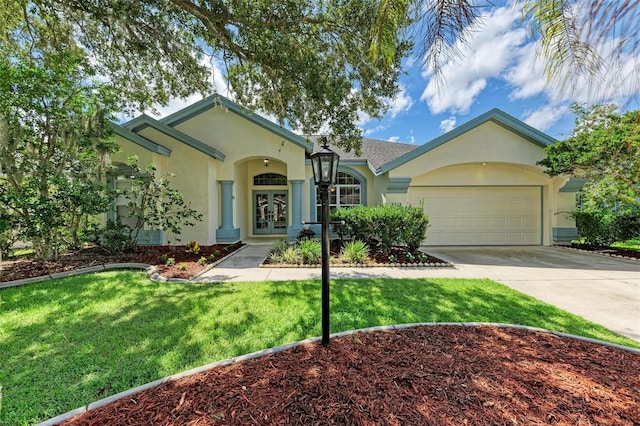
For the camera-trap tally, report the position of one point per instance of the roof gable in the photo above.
(140, 140)
(374, 153)
(144, 121)
(495, 115)
(219, 100)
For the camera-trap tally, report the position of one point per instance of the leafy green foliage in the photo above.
(603, 227)
(154, 204)
(604, 147)
(115, 237)
(307, 63)
(355, 252)
(54, 144)
(306, 234)
(311, 251)
(383, 226)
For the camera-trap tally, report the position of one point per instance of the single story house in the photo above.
(479, 184)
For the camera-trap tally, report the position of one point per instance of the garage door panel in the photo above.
(481, 215)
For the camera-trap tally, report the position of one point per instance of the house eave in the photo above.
(140, 123)
(219, 100)
(495, 115)
(140, 140)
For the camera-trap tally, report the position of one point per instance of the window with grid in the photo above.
(269, 179)
(345, 193)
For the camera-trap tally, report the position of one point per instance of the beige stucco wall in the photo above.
(194, 174)
(488, 143)
(488, 155)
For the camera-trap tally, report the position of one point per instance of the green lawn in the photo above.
(629, 245)
(66, 343)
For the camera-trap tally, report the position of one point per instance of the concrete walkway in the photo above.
(601, 289)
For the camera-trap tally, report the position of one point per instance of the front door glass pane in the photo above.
(270, 212)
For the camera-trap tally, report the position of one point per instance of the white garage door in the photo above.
(481, 215)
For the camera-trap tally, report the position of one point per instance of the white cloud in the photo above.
(488, 53)
(218, 85)
(448, 124)
(401, 103)
(394, 139)
(526, 76)
(545, 116)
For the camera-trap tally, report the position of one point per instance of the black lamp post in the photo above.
(325, 171)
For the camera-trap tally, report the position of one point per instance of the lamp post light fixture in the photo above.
(325, 172)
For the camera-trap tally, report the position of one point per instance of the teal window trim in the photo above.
(313, 192)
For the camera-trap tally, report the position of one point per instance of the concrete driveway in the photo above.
(601, 289)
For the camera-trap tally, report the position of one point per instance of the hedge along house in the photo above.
(249, 178)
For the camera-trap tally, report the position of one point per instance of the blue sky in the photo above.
(499, 68)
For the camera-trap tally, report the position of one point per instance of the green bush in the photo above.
(600, 228)
(116, 237)
(310, 251)
(279, 247)
(306, 234)
(383, 226)
(627, 224)
(355, 252)
(292, 256)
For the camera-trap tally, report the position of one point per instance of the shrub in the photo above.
(603, 227)
(383, 226)
(292, 256)
(355, 252)
(280, 246)
(183, 266)
(163, 258)
(310, 251)
(202, 261)
(627, 224)
(193, 247)
(212, 257)
(171, 261)
(306, 234)
(116, 237)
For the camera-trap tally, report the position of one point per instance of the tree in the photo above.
(54, 144)
(308, 63)
(578, 38)
(604, 147)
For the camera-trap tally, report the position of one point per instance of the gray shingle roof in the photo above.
(375, 152)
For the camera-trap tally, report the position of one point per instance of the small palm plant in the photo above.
(311, 251)
(355, 252)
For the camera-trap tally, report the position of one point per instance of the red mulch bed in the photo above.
(612, 251)
(186, 264)
(442, 375)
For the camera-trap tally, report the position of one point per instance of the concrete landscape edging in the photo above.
(152, 272)
(105, 401)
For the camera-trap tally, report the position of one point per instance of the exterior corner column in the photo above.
(227, 232)
(296, 210)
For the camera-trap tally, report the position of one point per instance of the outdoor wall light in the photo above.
(266, 162)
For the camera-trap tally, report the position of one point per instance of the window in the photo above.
(345, 193)
(269, 179)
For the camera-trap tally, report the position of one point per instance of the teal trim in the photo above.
(139, 140)
(398, 185)
(564, 234)
(144, 121)
(573, 185)
(226, 204)
(151, 238)
(296, 210)
(227, 235)
(495, 115)
(341, 168)
(215, 100)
